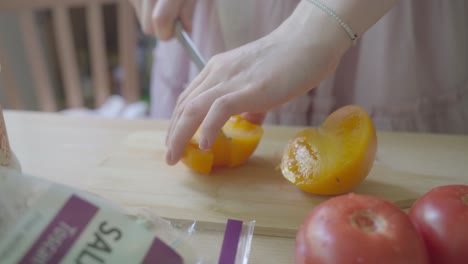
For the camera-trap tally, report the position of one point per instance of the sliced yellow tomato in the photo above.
(197, 159)
(244, 138)
(235, 143)
(335, 157)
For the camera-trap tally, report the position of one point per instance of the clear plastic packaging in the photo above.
(44, 222)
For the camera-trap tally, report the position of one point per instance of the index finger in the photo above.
(186, 127)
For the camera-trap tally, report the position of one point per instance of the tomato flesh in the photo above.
(335, 157)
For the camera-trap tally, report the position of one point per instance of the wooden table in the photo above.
(123, 161)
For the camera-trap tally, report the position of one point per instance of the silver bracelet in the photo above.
(346, 27)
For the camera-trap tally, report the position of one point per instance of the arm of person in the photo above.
(261, 75)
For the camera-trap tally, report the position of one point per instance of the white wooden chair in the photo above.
(66, 53)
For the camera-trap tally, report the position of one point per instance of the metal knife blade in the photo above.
(188, 44)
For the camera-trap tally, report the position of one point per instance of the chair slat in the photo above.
(10, 5)
(36, 59)
(7, 78)
(98, 53)
(127, 47)
(67, 57)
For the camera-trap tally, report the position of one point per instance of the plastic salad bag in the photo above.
(45, 222)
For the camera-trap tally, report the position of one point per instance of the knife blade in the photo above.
(189, 46)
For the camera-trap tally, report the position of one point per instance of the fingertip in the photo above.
(187, 15)
(186, 24)
(170, 158)
(164, 32)
(210, 131)
(163, 26)
(188, 27)
(147, 29)
(204, 143)
(174, 156)
(166, 36)
(164, 17)
(176, 145)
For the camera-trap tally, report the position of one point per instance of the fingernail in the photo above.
(203, 143)
(169, 157)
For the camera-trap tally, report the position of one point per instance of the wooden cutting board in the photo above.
(255, 191)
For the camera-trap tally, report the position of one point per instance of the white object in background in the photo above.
(77, 112)
(135, 111)
(112, 107)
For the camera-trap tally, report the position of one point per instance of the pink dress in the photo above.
(409, 71)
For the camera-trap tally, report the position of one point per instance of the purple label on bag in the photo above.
(159, 252)
(61, 233)
(231, 242)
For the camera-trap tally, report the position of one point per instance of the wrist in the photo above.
(316, 29)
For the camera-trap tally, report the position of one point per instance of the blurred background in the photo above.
(74, 56)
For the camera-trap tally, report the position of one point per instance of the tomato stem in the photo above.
(365, 221)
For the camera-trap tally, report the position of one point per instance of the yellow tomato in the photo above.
(335, 157)
(235, 143)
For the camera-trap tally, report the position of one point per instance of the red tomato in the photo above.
(441, 216)
(356, 228)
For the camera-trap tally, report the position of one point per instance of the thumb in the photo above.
(255, 118)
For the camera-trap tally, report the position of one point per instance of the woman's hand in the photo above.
(157, 17)
(257, 77)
